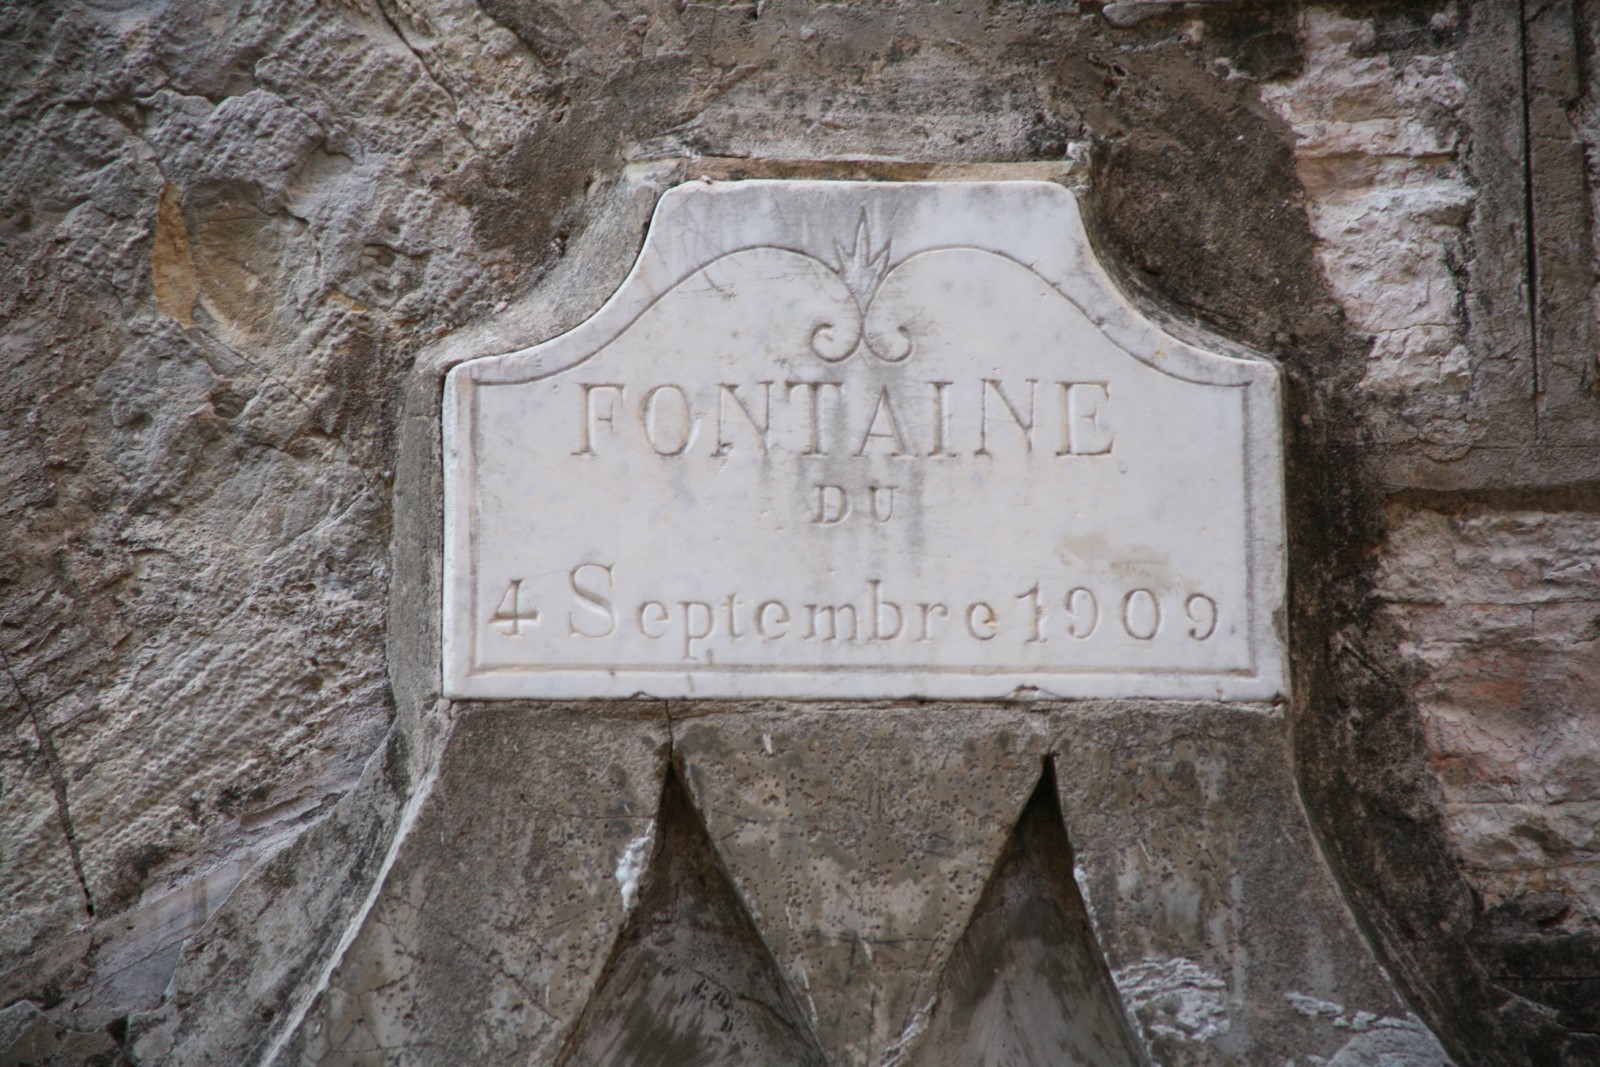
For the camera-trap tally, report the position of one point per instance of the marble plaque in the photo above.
(864, 440)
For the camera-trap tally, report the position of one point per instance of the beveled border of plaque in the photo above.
(656, 271)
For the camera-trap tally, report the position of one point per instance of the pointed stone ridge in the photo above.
(1027, 984)
(864, 440)
(690, 982)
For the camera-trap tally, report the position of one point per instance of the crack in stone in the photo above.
(266, 375)
(58, 782)
(460, 123)
(1529, 215)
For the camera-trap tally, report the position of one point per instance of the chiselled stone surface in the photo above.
(689, 980)
(842, 439)
(1215, 919)
(861, 842)
(494, 922)
(1377, 147)
(1497, 612)
(1026, 983)
(29, 1039)
(836, 869)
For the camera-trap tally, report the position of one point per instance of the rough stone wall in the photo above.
(1493, 598)
(229, 227)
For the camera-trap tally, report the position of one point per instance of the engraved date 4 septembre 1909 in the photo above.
(1060, 611)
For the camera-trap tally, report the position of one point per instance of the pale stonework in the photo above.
(864, 440)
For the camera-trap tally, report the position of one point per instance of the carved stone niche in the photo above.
(935, 596)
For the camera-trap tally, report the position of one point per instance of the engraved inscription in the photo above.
(977, 418)
(511, 613)
(598, 607)
(856, 441)
(835, 503)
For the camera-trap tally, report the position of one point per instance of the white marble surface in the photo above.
(837, 439)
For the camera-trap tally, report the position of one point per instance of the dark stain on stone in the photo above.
(521, 202)
(689, 982)
(1167, 183)
(133, 871)
(1027, 983)
(28, 1038)
(1531, 952)
(1401, 29)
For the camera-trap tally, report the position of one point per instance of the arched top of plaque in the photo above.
(864, 440)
